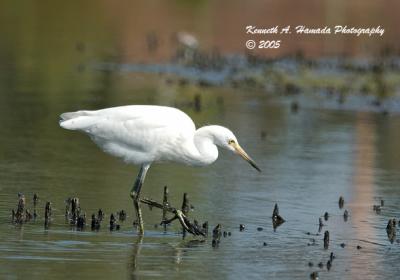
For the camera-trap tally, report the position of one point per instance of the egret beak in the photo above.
(244, 155)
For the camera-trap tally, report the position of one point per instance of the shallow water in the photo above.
(308, 160)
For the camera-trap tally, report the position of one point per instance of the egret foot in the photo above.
(186, 224)
(178, 214)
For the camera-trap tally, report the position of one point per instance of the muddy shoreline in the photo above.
(354, 84)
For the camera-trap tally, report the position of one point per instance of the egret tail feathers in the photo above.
(79, 120)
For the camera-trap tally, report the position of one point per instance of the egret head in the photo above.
(224, 138)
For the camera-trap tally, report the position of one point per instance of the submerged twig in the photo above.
(47, 215)
(326, 240)
(321, 224)
(35, 201)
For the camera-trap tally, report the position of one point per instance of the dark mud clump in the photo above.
(345, 215)
(341, 202)
(217, 233)
(100, 215)
(328, 265)
(35, 202)
(95, 223)
(113, 223)
(277, 220)
(81, 222)
(22, 214)
(73, 213)
(326, 240)
(121, 215)
(47, 215)
(294, 107)
(205, 228)
(197, 102)
(377, 209)
(332, 257)
(320, 224)
(391, 230)
(18, 216)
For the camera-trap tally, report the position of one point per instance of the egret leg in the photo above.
(135, 195)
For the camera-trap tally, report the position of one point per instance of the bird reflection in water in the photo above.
(176, 252)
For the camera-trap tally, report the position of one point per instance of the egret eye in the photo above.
(230, 142)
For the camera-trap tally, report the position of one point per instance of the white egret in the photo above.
(143, 134)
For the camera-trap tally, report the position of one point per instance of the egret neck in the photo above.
(205, 151)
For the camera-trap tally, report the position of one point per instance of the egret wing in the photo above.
(135, 133)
